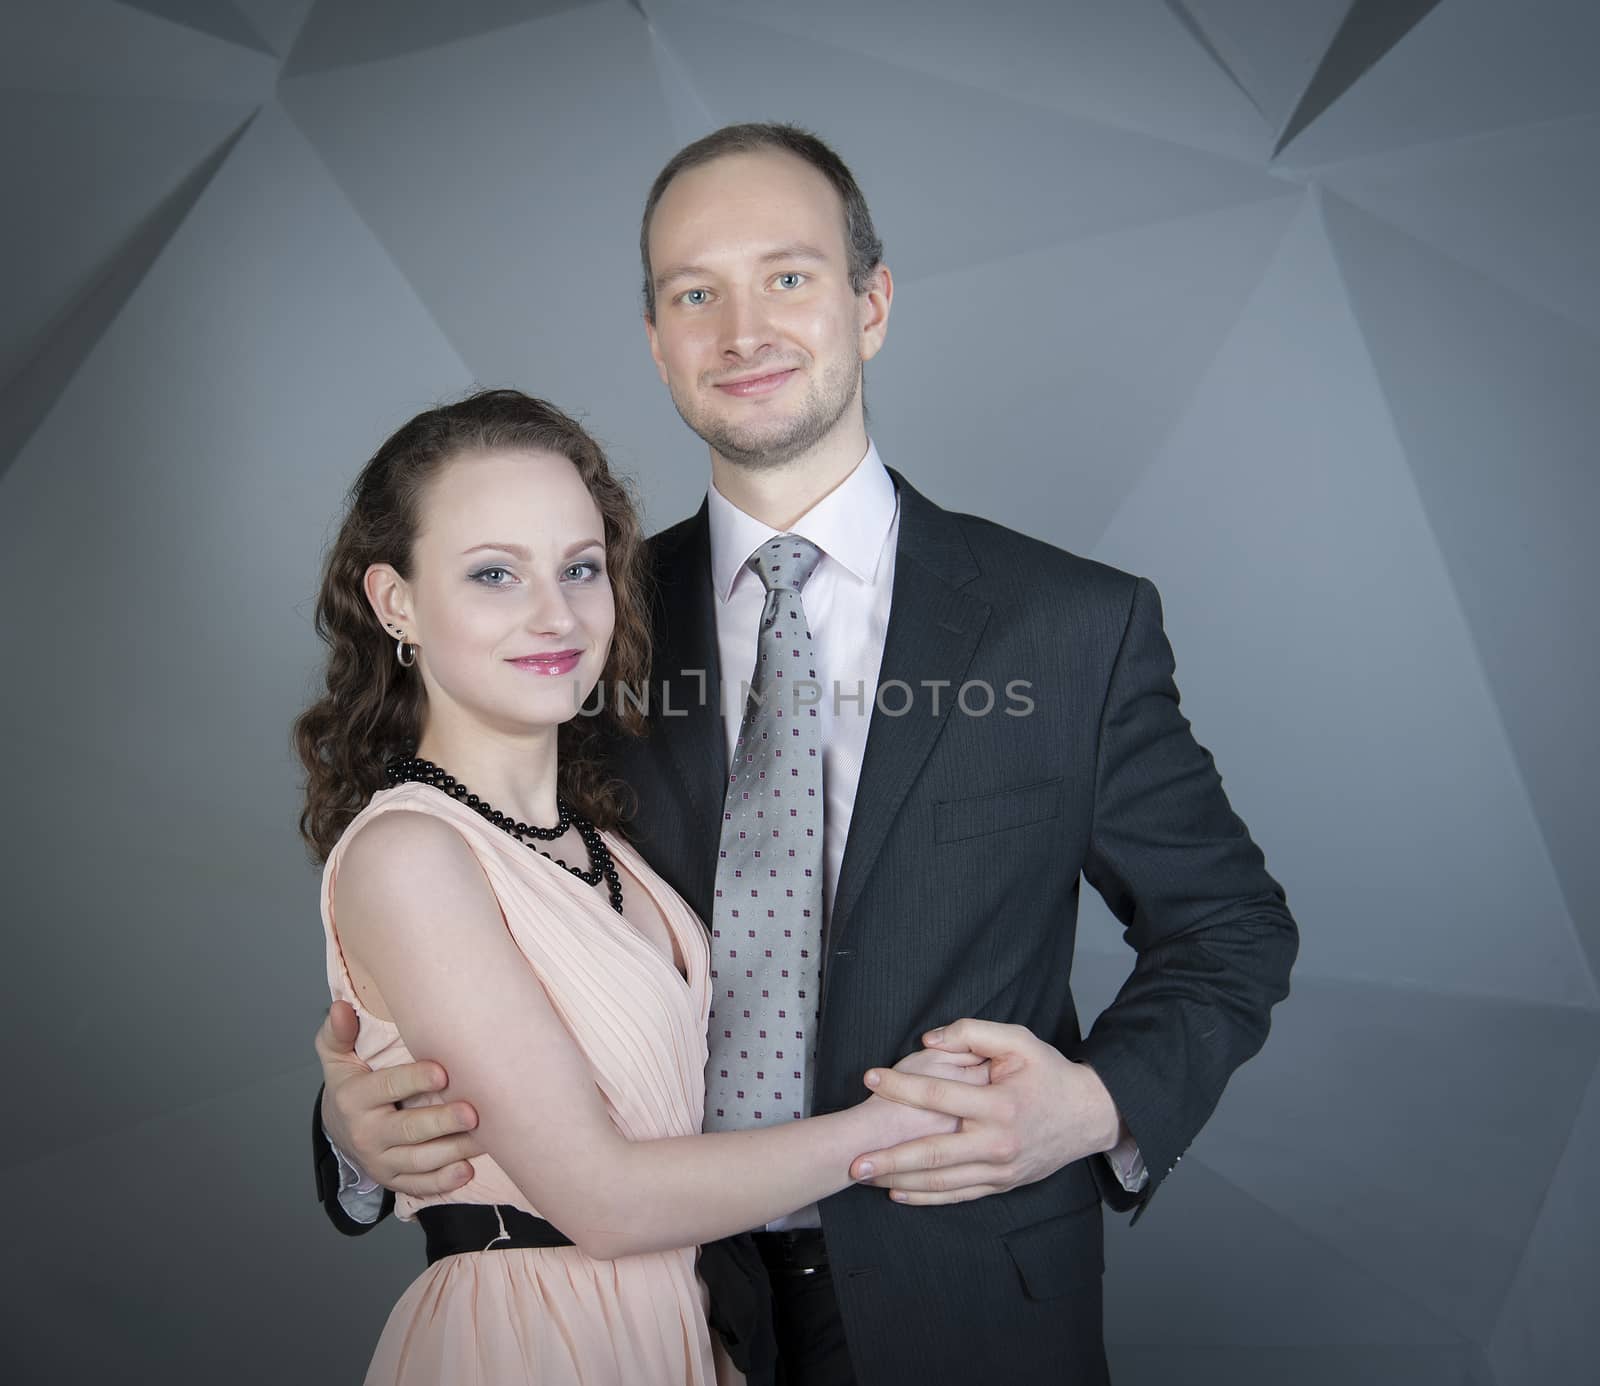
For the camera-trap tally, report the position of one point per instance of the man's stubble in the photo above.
(827, 399)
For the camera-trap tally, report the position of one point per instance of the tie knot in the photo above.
(785, 562)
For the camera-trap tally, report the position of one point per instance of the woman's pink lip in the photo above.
(561, 662)
(758, 385)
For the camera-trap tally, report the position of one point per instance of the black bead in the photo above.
(601, 866)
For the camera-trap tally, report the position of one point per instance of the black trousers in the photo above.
(805, 1313)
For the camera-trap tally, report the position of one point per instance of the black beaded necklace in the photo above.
(601, 865)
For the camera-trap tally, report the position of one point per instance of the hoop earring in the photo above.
(400, 648)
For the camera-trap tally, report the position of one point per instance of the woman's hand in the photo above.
(895, 1122)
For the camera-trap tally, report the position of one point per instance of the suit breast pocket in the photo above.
(997, 812)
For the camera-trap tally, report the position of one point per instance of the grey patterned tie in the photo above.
(766, 921)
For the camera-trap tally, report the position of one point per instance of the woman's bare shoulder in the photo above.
(404, 860)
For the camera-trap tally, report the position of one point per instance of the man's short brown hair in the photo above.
(862, 246)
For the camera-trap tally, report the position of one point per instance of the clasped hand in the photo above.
(1038, 1112)
(983, 1108)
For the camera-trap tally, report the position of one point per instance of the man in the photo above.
(992, 718)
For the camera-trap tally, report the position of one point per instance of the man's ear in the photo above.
(872, 306)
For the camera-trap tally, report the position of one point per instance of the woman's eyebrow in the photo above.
(517, 551)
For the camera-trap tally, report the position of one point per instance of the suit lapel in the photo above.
(934, 628)
(688, 719)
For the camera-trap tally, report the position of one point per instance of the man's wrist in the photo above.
(1124, 1136)
(1122, 1152)
(1110, 1129)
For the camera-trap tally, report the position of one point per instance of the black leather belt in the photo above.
(798, 1251)
(456, 1228)
(741, 1299)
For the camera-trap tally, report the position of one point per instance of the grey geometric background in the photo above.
(1291, 307)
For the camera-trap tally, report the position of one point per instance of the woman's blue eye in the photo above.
(483, 575)
(586, 569)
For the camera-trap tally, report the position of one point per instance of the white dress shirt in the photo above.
(856, 526)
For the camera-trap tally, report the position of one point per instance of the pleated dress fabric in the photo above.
(538, 1317)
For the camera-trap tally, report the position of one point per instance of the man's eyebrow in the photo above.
(681, 272)
(797, 250)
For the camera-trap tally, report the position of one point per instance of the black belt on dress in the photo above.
(735, 1276)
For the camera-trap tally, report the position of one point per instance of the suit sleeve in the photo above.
(1176, 866)
(325, 1165)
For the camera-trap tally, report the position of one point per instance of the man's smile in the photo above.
(764, 384)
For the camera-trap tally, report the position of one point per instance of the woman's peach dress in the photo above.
(532, 1317)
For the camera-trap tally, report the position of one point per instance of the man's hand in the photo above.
(412, 1150)
(1039, 1112)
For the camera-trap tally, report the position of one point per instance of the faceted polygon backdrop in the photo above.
(1289, 306)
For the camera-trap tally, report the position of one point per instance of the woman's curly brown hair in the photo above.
(371, 710)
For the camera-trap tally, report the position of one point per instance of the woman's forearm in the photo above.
(685, 1190)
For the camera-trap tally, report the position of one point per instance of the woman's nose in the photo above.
(550, 612)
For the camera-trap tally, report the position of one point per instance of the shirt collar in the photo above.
(850, 525)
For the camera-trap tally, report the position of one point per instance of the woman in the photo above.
(488, 573)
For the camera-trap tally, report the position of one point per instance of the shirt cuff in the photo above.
(360, 1195)
(1128, 1164)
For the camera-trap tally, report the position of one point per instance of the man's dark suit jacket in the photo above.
(958, 896)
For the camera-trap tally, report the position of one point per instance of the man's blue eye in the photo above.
(691, 297)
(796, 278)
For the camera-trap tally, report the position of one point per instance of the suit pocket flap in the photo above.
(1054, 1255)
(993, 813)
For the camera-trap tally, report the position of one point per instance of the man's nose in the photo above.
(745, 329)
